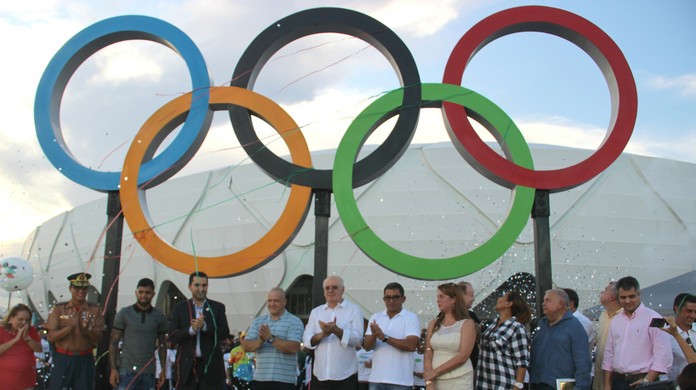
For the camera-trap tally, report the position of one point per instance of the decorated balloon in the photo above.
(237, 354)
(15, 274)
(245, 371)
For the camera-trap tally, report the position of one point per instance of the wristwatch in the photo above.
(519, 385)
(385, 339)
(270, 339)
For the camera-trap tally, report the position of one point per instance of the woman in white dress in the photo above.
(448, 345)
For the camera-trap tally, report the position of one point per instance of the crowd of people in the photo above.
(338, 348)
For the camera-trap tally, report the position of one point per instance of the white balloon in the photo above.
(15, 274)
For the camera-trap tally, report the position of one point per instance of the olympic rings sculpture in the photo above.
(515, 171)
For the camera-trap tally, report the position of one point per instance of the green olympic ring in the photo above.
(482, 110)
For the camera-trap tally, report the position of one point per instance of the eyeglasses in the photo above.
(391, 297)
(80, 287)
(327, 288)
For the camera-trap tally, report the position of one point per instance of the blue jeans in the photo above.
(128, 380)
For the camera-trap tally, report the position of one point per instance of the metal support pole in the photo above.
(322, 212)
(542, 247)
(112, 264)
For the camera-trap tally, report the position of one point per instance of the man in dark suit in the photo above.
(198, 326)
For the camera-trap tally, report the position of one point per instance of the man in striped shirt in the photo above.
(275, 338)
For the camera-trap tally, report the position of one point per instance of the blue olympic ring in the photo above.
(87, 42)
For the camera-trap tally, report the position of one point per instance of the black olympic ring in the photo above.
(328, 20)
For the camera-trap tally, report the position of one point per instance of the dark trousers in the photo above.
(618, 383)
(200, 380)
(264, 385)
(72, 372)
(350, 383)
(542, 386)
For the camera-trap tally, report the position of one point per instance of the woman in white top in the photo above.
(450, 340)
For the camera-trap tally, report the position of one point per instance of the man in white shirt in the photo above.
(333, 331)
(393, 334)
(584, 321)
(685, 310)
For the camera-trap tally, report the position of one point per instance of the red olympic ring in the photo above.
(596, 43)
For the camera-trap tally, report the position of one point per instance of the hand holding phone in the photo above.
(658, 323)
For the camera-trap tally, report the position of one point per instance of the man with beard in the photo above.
(143, 329)
(198, 326)
(74, 328)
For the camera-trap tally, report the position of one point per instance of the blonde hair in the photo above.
(459, 310)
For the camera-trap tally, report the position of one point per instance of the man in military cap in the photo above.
(74, 327)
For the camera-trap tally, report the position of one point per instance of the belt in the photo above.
(74, 353)
(630, 377)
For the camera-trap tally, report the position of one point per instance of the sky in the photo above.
(549, 87)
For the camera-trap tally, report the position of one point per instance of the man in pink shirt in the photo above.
(635, 353)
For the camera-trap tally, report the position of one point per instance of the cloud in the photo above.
(684, 84)
(680, 148)
(560, 131)
(418, 18)
(563, 132)
(123, 62)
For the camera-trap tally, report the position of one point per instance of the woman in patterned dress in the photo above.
(449, 342)
(504, 346)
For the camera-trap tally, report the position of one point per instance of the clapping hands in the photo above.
(264, 332)
(328, 328)
(376, 330)
(198, 323)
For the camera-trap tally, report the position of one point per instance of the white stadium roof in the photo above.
(638, 218)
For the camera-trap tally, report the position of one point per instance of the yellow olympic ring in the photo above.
(146, 142)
